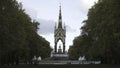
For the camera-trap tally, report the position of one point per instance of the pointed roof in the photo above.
(60, 18)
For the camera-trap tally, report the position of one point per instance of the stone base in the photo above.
(55, 56)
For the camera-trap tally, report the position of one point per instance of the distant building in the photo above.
(59, 34)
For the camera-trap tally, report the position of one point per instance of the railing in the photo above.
(70, 62)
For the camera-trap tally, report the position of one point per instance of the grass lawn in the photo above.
(63, 66)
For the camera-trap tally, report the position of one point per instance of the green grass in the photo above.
(63, 66)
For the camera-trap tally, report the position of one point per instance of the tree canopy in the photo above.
(100, 37)
(19, 40)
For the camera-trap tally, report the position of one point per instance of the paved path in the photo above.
(63, 66)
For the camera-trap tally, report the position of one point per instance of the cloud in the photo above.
(31, 12)
(46, 13)
(86, 4)
(47, 27)
(69, 29)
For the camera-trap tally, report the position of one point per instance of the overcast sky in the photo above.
(46, 12)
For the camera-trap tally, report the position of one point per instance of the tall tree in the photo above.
(19, 40)
(102, 27)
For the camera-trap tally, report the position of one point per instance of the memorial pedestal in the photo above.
(59, 56)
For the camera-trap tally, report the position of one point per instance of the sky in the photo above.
(46, 12)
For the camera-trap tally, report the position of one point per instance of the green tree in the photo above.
(102, 32)
(19, 40)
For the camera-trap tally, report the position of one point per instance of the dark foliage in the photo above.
(100, 37)
(19, 40)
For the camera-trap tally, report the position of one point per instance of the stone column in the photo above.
(55, 47)
(63, 47)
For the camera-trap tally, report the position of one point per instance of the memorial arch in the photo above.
(59, 33)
